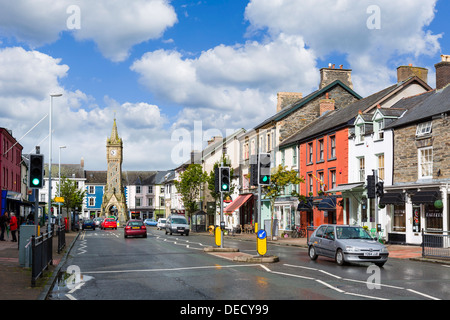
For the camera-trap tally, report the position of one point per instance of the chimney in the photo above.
(406, 72)
(443, 72)
(286, 98)
(326, 104)
(82, 162)
(331, 74)
(196, 157)
(214, 139)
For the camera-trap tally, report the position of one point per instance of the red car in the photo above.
(109, 223)
(135, 228)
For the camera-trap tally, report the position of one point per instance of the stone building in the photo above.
(421, 163)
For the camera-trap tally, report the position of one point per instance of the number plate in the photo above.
(371, 254)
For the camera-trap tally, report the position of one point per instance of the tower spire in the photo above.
(114, 133)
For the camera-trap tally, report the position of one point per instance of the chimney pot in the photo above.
(443, 72)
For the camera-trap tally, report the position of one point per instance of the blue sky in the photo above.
(161, 65)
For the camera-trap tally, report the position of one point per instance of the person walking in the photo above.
(13, 226)
(3, 225)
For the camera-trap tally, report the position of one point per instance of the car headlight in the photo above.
(351, 249)
(384, 250)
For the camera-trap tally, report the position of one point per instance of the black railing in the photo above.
(435, 244)
(42, 250)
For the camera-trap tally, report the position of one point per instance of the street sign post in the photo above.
(261, 243)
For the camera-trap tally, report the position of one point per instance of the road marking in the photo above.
(330, 286)
(70, 297)
(173, 269)
(423, 294)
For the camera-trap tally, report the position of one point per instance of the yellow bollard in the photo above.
(218, 236)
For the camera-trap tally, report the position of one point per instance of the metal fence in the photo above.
(42, 250)
(435, 244)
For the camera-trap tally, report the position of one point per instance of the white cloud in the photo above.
(228, 85)
(341, 26)
(115, 26)
(26, 80)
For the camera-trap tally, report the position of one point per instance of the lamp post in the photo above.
(50, 159)
(59, 180)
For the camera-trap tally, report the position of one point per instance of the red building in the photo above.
(10, 171)
(323, 163)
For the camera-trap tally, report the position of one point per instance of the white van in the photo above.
(161, 224)
(177, 224)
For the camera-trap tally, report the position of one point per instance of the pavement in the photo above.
(15, 281)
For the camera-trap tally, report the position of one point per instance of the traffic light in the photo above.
(225, 179)
(264, 169)
(380, 191)
(254, 170)
(217, 179)
(371, 187)
(36, 180)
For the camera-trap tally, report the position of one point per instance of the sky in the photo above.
(175, 73)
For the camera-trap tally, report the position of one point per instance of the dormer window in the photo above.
(360, 132)
(423, 129)
(378, 129)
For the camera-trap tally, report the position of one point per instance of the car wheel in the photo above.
(380, 264)
(187, 233)
(145, 235)
(125, 236)
(340, 257)
(166, 231)
(312, 253)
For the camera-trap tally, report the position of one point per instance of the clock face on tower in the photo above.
(113, 152)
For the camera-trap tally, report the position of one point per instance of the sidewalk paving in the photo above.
(15, 281)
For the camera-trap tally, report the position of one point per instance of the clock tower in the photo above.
(114, 202)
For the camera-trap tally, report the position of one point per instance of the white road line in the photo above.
(423, 294)
(70, 297)
(173, 269)
(330, 286)
(364, 296)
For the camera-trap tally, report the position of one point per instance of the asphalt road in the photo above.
(103, 265)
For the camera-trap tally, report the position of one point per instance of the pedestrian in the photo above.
(3, 225)
(13, 226)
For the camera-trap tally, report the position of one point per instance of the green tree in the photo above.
(279, 180)
(190, 185)
(73, 197)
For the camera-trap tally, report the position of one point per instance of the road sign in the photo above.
(59, 199)
(261, 242)
(218, 236)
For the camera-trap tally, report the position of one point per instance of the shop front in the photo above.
(415, 210)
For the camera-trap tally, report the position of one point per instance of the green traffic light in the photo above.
(265, 179)
(35, 182)
(224, 187)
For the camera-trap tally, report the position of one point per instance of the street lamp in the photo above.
(53, 95)
(59, 180)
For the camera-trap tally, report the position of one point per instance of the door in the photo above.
(328, 246)
(317, 239)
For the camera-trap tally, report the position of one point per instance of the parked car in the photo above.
(98, 222)
(135, 228)
(150, 222)
(346, 244)
(177, 224)
(109, 223)
(161, 224)
(88, 224)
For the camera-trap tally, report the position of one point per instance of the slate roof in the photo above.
(423, 107)
(338, 118)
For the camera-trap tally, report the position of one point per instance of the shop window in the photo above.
(433, 218)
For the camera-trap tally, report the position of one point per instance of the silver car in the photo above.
(346, 244)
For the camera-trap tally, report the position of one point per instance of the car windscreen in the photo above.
(179, 220)
(135, 223)
(352, 233)
(110, 220)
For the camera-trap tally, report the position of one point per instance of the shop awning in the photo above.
(424, 197)
(237, 203)
(346, 187)
(328, 203)
(392, 198)
(305, 206)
